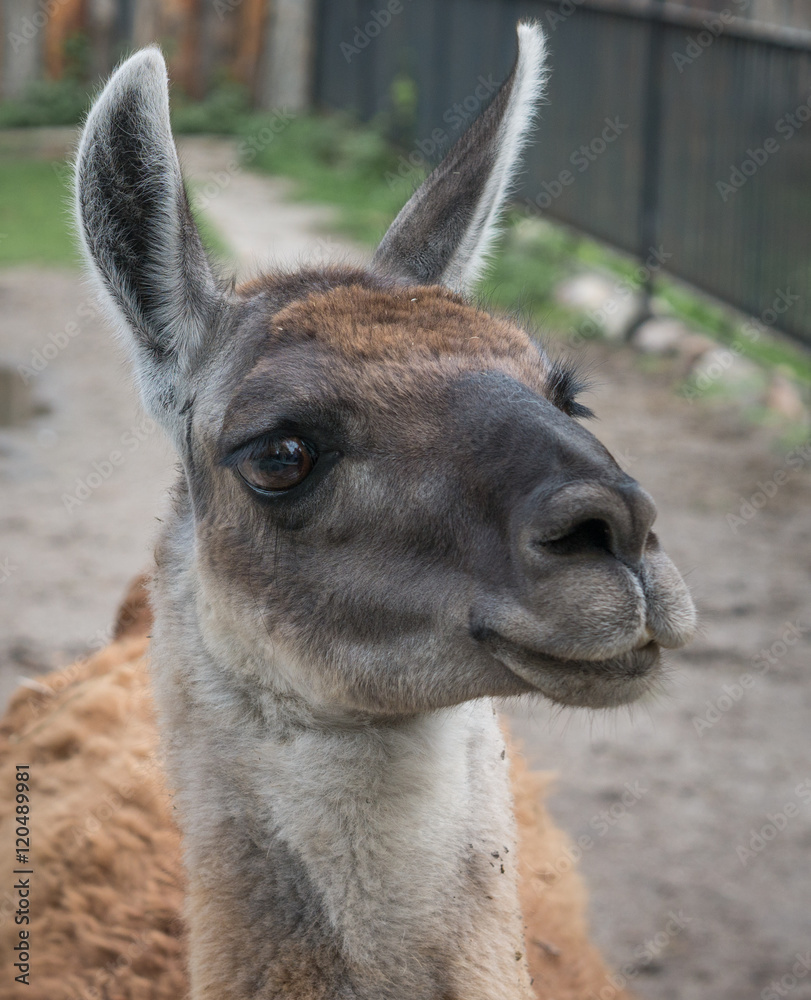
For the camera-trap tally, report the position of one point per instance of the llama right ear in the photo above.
(445, 231)
(138, 234)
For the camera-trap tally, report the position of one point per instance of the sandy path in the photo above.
(661, 809)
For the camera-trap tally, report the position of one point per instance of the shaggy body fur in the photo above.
(108, 889)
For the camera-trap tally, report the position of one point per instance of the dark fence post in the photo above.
(651, 146)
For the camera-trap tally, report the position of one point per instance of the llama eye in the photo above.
(277, 465)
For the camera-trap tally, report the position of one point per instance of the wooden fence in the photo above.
(265, 45)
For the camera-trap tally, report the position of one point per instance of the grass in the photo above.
(34, 219)
(66, 101)
(46, 102)
(338, 162)
(35, 223)
(529, 263)
(35, 226)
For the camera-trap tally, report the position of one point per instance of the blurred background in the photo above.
(661, 233)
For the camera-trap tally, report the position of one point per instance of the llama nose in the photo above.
(589, 519)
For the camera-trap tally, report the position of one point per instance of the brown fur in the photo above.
(134, 617)
(107, 886)
(106, 889)
(390, 324)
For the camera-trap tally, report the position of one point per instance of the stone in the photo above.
(723, 367)
(784, 398)
(694, 346)
(660, 335)
(585, 292)
(621, 313)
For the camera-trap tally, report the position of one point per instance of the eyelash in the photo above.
(565, 383)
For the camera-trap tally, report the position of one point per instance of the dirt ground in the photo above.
(693, 812)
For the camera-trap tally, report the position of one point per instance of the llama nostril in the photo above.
(590, 535)
(591, 519)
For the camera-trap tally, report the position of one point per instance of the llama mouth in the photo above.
(617, 680)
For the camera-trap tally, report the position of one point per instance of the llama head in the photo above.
(388, 504)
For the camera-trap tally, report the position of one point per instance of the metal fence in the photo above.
(667, 128)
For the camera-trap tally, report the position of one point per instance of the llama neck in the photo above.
(340, 861)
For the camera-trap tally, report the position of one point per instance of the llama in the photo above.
(387, 516)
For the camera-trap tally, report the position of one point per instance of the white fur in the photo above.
(469, 261)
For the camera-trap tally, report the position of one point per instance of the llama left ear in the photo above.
(139, 237)
(443, 234)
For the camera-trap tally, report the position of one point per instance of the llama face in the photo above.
(396, 511)
(388, 505)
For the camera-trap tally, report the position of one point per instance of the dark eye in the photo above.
(277, 464)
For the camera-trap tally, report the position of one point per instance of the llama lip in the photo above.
(585, 683)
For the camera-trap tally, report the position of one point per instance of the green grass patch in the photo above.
(34, 216)
(223, 112)
(212, 238)
(722, 324)
(65, 102)
(336, 161)
(46, 102)
(531, 259)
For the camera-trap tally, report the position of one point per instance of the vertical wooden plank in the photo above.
(67, 19)
(251, 27)
(286, 77)
(22, 47)
(179, 31)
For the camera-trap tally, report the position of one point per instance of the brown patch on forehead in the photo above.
(395, 324)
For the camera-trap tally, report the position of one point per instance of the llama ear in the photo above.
(138, 235)
(446, 229)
